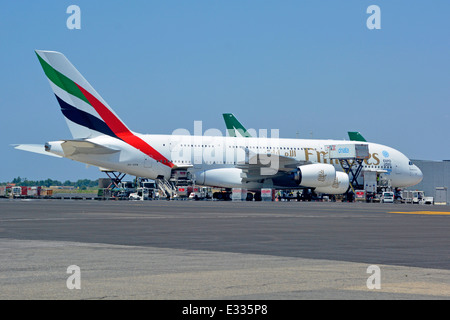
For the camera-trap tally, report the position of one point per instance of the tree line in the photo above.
(81, 183)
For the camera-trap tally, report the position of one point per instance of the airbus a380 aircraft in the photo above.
(101, 139)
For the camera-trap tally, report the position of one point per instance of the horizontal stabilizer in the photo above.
(36, 148)
(73, 147)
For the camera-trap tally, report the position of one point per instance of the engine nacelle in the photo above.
(340, 185)
(224, 177)
(315, 175)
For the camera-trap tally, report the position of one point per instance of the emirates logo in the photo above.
(335, 183)
(321, 176)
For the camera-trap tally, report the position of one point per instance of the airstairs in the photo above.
(165, 187)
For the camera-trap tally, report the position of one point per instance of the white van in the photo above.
(388, 197)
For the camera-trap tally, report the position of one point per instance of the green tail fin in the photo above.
(356, 136)
(234, 127)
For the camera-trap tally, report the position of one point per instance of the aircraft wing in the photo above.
(36, 148)
(73, 147)
(263, 166)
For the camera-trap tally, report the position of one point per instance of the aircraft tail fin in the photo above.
(86, 113)
(234, 127)
(356, 136)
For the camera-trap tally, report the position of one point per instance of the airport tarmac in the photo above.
(223, 250)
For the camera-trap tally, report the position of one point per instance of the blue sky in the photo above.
(308, 68)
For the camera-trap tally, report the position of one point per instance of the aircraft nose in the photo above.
(417, 174)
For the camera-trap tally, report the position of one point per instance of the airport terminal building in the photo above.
(436, 174)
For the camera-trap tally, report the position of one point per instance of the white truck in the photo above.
(387, 197)
(142, 194)
(418, 197)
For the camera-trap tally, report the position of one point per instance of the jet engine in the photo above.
(315, 175)
(224, 177)
(339, 186)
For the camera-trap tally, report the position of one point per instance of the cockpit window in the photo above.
(410, 163)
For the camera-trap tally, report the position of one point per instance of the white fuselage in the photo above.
(203, 153)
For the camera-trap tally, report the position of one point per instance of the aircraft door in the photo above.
(147, 162)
